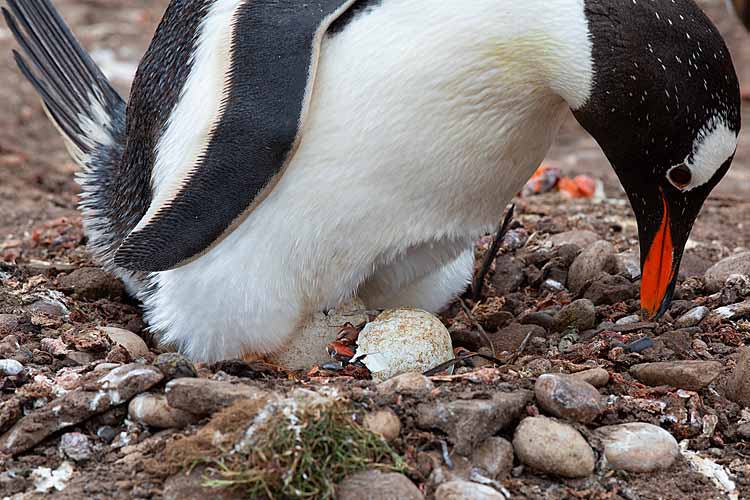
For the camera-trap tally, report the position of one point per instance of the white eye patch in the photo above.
(713, 146)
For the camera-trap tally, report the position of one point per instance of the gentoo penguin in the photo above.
(277, 158)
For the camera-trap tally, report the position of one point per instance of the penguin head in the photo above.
(665, 108)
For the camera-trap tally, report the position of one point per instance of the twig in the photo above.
(478, 285)
(453, 362)
(521, 348)
(478, 325)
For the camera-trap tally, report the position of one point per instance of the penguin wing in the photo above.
(275, 51)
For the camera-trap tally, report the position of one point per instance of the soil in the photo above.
(41, 241)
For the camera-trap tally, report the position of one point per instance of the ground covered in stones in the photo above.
(588, 400)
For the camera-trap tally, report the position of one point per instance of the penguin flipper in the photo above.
(275, 51)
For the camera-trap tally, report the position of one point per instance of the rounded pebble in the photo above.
(638, 447)
(494, 458)
(568, 397)
(174, 365)
(580, 314)
(76, 446)
(10, 367)
(465, 490)
(552, 447)
(384, 422)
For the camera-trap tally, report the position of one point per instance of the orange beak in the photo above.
(658, 268)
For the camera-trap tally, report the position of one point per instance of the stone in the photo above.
(598, 377)
(80, 358)
(401, 341)
(307, 347)
(385, 423)
(377, 485)
(132, 343)
(692, 318)
(11, 323)
(689, 375)
(734, 311)
(192, 486)
(735, 289)
(154, 411)
(202, 397)
(679, 341)
(717, 275)
(509, 275)
(542, 319)
(108, 390)
(568, 397)
(510, 338)
(580, 315)
(466, 490)
(628, 265)
(638, 447)
(174, 365)
(494, 458)
(628, 320)
(408, 384)
(76, 446)
(579, 238)
(91, 283)
(11, 410)
(54, 346)
(10, 367)
(468, 422)
(738, 385)
(552, 447)
(595, 259)
(608, 290)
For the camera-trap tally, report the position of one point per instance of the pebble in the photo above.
(639, 345)
(509, 275)
(403, 340)
(54, 346)
(174, 365)
(568, 397)
(106, 433)
(76, 446)
(203, 397)
(92, 283)
(552, 447)
(735, 311)
(598, 377)
(542, 319)
(10, 411)
(494, 458)
(628, 265)
(80, 358)
(738, 385)
(408, 384)
(677, 340)
(385, 423)
(308, 346)
(154, 411)
(608, 290)
(510, 338)
(638, 447)
(692, 318)
(628, 320)
(10, 367)
(580, 314)
(595, 259)
(10, 323)
(468, 422)
(689, 375)
(717, 275)
(466, 490)
(132, 343)
(377, 485)
(111, 389)
(579, 238)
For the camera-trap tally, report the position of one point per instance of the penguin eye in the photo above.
(680, 176)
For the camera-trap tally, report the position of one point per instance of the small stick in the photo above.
(478, 285)
(520, 350)
(479, 326)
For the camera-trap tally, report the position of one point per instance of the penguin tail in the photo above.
(76, 95)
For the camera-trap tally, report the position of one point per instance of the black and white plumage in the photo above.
(276, 158)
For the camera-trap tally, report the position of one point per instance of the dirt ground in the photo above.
(41, 240)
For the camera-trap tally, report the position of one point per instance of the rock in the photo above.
(736, 288)
(106, 433)
(580, 315)
(192, 486)
(568, 397)
(595, 259)
(174, 365)
(409, 384)
(466, 490)
(542, 319)
(598, 377)
(132, 343)
(54, 346)
(735, 311)
(308, 346)
(738, 385)
(638, 447)
(510, 338)
(10, 367)
(80, 358)
(679, 341)
(403, 340)
(384, 422)
(608, 290)
(377, 485)
(628, 265)
(717, 275)
(11, 410)
(470, 421)
(154, 411)
(108, 390)
(202, 397)
(76, 446)
(552, 447)
(628, 320)
(494, 458)
(688, 375)
(12, 323)
(581, 239)
(92, 283)
(692, 317)
(509, 275)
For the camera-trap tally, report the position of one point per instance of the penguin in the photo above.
(275, 159)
